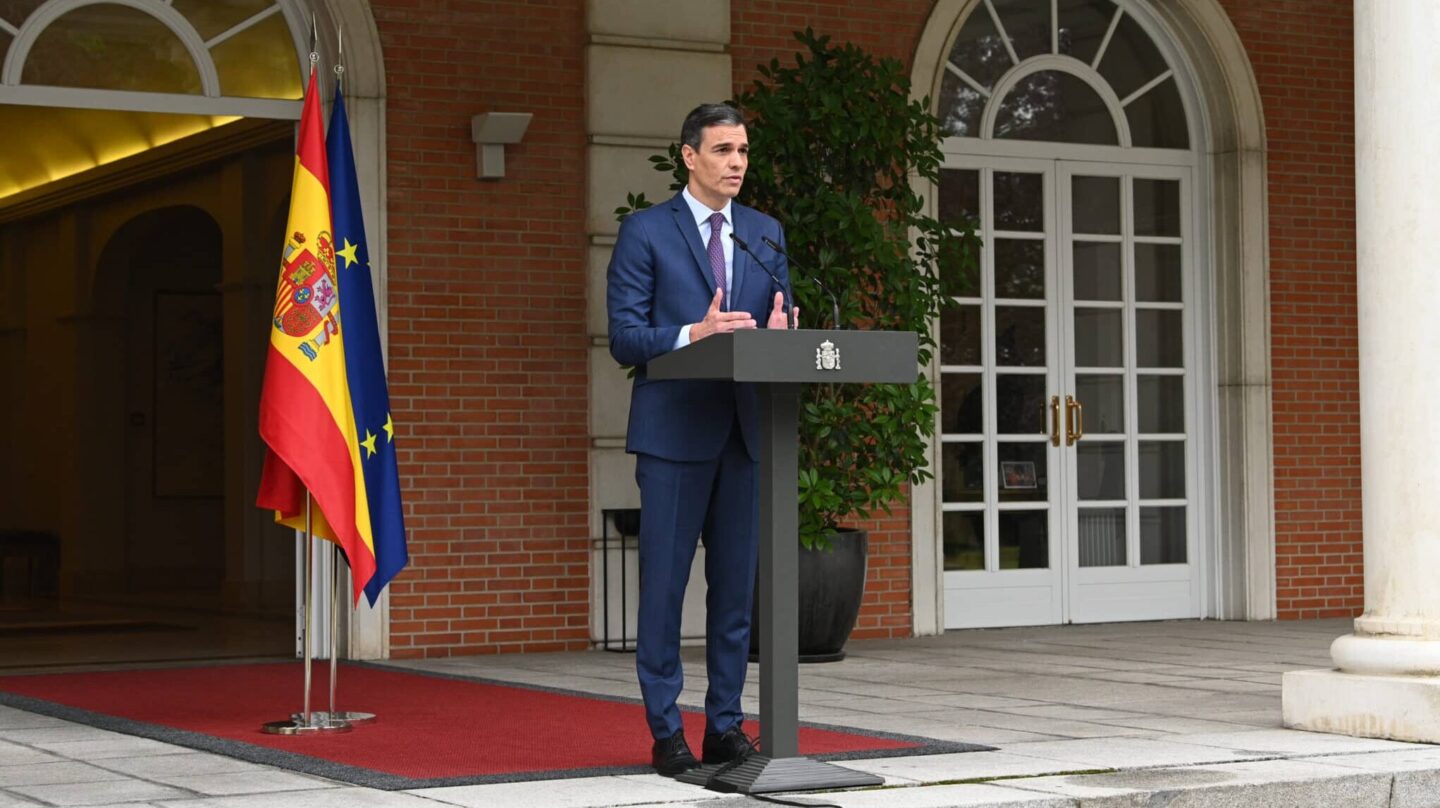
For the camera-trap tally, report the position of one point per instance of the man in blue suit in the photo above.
(678, 276)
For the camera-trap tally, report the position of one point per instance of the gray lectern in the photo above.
(779, 362)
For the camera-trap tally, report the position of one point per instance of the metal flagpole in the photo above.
(307, 722)
(351, 718)
(348, 717)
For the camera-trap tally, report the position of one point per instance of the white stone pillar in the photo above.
(1387, 682)
(647, 64)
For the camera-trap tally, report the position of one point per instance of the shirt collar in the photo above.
(702, 212)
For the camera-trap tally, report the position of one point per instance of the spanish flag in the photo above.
(306, 417)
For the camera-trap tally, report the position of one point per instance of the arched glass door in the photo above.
(1068, 459)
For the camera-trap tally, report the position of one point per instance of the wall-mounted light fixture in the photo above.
(491, 131)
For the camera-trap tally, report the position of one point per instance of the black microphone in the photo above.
(834, 301)
(784, 288)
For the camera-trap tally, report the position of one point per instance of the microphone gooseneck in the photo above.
(834, 301)
(784, 287)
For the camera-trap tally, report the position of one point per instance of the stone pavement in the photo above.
(1142, 714)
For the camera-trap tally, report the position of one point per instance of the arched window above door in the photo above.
(120, 77)
(232, 48)
(1070, 71)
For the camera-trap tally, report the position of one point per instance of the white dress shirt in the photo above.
(702, 213)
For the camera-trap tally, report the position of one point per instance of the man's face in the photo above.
(717, 168)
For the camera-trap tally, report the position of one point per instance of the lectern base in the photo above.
(765, 775)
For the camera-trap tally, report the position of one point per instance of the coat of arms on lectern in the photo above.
(827, 356)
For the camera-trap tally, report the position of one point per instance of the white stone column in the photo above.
(647, 64)
(1387, 681)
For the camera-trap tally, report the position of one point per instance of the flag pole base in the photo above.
(345, 716)
(319, 724)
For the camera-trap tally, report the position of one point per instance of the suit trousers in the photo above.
(718, 500)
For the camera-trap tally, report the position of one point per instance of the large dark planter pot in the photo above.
(831, 586)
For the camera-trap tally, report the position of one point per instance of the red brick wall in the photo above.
(1303, 57)
(487, 326)
(761, 30)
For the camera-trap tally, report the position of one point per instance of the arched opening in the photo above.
(1094, 148)
(152, 144)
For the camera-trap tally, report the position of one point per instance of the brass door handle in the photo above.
(1074, 421)
(1054, 420)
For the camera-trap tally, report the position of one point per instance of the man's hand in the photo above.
(720, 322)
(777, 314)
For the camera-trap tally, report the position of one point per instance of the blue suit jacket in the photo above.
(659, 280)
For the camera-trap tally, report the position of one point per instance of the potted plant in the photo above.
(836, 145)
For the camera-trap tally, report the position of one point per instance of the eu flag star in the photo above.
(369, 443)
(348, 253)
(389, 428)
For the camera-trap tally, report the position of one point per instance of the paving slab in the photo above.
(588, 792)
(1129, 753)
(351, 797)
(61, 771)
(966, 795)
(99, 793)
(1271, 784)
(1293, 742)
(185, 764)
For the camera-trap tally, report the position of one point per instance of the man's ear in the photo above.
(688, 155)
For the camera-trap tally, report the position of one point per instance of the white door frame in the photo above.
(1228, 139)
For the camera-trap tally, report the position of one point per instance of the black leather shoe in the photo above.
(733, 744)
(672, 756)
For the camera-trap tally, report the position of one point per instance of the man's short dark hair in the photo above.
(707, 115)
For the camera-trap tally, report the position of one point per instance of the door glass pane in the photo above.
(1158, 339)
(1102, 537)
(979, 51)
(1055, 106)
(960, 335)
(212, 17)
(1020, 268)
(85, 47)
(1020, 336)
(1027, 23)
(1157, 118)
(1104, 400)
(1162, 469)
(1023, 476)
(964, 540)
(259, 62)
(1162, 535)
(1157, 207)
(959, 209)
(960, 107)
(1161, 401)
(964, 471)
(961, 403)
(1020, 404)
(1019, 201)
(1024, 540)
(959, 196)
(1131, 59)
(1157, 273)
(1097, 271)
(1100, 470)
(15, 11)
(1083, 24)
(1096, 205)
(1097, 338)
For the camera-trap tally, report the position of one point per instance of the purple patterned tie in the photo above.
(716, 248)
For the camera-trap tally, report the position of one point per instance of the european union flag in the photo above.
(364, 364)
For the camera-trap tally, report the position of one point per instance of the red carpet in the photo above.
(431, 730)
